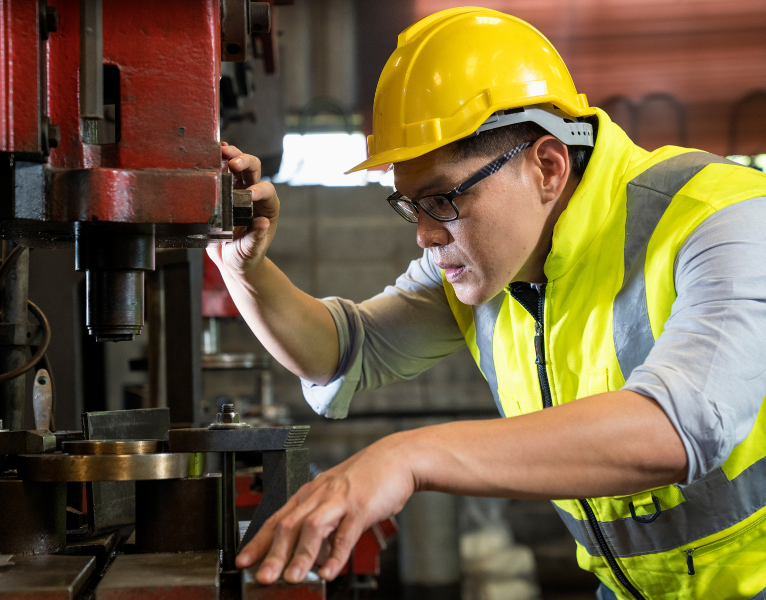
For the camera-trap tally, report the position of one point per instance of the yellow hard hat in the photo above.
(456, 68)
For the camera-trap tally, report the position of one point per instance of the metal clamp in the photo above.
(646, 518)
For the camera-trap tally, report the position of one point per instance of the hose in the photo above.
(40, 354)
(41, 350)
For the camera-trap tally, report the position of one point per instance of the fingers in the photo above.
(285, 536)
(317, 527)
(248, 167)
(346, 537)
(256, 549)
(266, 200)
(292, 538)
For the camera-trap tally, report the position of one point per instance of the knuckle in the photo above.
(340, 544)
(268, 189)
(285, 526)
(303, 554)
(256, 162)
(272, 521)
(314, 522)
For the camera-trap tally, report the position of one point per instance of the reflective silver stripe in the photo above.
(484, 319)
(760, 595)
(701, 487)
(703, 514)
(649, 195)
(581, 531)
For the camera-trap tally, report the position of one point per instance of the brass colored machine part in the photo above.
(114, 467)
(93, 447)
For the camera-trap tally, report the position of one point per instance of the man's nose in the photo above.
(431, 233)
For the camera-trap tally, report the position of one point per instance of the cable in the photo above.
(41, 350)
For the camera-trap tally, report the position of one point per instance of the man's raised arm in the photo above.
(296, 329)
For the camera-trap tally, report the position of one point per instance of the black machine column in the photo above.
(114, 257)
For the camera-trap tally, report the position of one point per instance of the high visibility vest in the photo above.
(609, 293)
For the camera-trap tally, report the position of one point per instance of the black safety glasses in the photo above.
(442, 206)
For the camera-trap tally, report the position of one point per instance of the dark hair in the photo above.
(495, 142)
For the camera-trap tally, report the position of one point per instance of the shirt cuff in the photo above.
(332, 400)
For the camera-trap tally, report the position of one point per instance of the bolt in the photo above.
(227, 415)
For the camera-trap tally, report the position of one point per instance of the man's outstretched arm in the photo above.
(295, 328)
(611, 444)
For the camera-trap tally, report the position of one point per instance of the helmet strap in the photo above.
(567, 130)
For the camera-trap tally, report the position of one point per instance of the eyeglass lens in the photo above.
(406, 209)
(438, 207)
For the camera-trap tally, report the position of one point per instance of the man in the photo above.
(632, 282)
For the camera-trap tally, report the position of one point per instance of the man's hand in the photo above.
(248, 249)
(337, 507)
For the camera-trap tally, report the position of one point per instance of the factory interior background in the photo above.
(689, 73)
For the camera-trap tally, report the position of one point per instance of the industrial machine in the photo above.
(128, 507)
(109, 141)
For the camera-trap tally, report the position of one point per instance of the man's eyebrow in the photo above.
(437, 185)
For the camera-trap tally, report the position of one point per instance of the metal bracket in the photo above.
(257, 439)
(283, 474)
(27, 442)
(240, 18)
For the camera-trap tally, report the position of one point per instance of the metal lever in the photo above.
(91, 60)
(42, 400)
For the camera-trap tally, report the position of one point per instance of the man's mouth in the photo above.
(452, 272)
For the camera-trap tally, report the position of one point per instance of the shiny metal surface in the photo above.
(42, 399)
(91, 447)
(234, 361)
(115, 467)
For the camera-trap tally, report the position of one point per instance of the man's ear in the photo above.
(551, 157)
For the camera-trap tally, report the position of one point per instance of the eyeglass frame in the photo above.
(487, 170)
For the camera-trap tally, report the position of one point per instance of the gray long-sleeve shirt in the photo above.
(707, 370)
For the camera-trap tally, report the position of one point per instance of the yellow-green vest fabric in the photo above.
(609, 293)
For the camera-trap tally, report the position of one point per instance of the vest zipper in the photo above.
(608, 553)
(518, 291)
(539, 316)
(690, 560)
